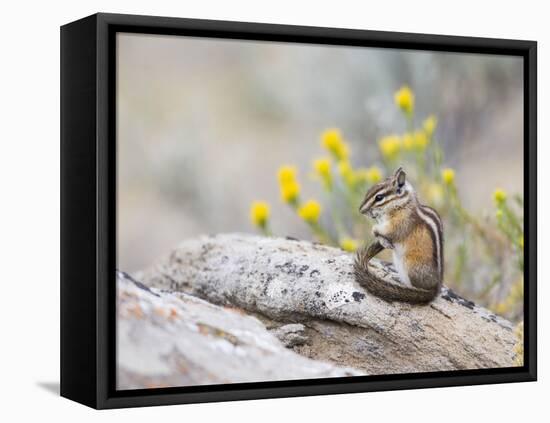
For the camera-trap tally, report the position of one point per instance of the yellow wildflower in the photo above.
(310, 211)
(332, 141)
(448, 176)
(290, 192)
(429, 125)
(259, 213)
(331, 136)
(499, 196)
(347, 173)
(501, 308)
(521, 242)
(348, 244)
(404, 98)
(390, 146)
(322, 167)
(408, 142)
(420, 140)
(435, 194)
(373, 175)
(287, 174)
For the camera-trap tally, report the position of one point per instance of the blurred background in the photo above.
(205, 124)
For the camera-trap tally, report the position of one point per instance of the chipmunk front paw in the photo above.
(385, 242)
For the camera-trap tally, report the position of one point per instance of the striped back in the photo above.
(432, 220)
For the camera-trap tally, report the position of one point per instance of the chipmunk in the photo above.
(413, 232)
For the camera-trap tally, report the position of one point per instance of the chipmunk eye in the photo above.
(379, 197)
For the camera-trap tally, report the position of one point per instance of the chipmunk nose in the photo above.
(363, 209)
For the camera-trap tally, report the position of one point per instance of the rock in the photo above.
(175, 339)
(284, 281)
(291, 335)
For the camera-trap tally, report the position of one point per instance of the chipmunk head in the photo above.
(392, 193)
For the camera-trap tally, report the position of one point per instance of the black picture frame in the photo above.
(88, 209)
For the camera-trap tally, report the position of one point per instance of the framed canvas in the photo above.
(258, 211)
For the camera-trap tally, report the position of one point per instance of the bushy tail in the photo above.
(386, 289)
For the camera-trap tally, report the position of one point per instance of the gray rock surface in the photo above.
(291, 335)
(175, 339)
(284, 281)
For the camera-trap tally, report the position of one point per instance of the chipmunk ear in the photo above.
(400, 177)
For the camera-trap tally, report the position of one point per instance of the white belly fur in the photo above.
(399, 263)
